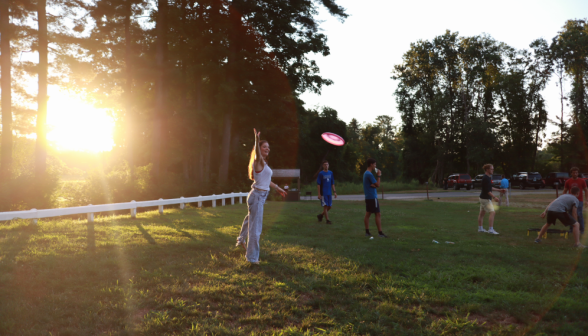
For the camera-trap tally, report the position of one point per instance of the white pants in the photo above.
(253, 224)
(504, 195)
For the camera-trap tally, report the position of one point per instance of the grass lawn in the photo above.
(180, 274)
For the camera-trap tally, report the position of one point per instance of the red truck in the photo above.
(556, 177)
(457, 181)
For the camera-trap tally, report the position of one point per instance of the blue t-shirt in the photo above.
(326, 180)
(369, 191)
(504, 183)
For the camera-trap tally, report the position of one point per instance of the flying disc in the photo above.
(333, 139)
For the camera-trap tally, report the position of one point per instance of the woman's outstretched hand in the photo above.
(282, 192)
(256, 133)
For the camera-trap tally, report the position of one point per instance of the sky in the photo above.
(367, 45)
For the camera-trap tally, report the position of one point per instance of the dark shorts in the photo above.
(564, 217)
(372, 205)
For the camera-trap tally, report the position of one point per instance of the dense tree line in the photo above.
(187, 81)
(465, 101)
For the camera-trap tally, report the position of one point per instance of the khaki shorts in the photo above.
(486, 205)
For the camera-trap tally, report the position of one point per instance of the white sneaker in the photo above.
(580, 246)
(481, 229)
(491, 231)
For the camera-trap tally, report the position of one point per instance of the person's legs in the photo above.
(255, 226)
(366, 220)
(379, 221)
(581, 218)
(506, 195)
(491, 220)
(543, 230)
(325, 212)
(481, 218)
(576, 230)
(245, 225)
(244, 230)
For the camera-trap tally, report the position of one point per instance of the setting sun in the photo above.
(78, 126)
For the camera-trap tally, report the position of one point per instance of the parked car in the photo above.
(457, 181)
(477, 181)
(526, 180)
(559, 177)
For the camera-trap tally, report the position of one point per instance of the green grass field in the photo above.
(180, 274)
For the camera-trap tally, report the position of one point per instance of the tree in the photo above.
(43, 69)
(568, 50)
(6, 68)
(460, 101)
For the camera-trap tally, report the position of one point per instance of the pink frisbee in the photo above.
(333, 139)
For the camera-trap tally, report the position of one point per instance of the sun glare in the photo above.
(74, 125)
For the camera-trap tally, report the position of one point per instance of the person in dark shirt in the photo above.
(486, 198)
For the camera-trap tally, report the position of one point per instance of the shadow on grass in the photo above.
(14, 241)
(145, 234)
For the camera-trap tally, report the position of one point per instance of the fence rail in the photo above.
(35, 214)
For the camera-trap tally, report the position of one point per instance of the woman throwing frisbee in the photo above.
(261, 175)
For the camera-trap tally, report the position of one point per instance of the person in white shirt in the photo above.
(261, 174)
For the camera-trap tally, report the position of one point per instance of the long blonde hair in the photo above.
(252, 160)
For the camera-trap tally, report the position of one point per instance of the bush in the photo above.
(113, 187)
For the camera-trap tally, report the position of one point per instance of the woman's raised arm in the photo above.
(259, 164)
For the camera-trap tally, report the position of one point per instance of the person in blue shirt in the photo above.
(326, 183)
(504, 192)
(371, 197)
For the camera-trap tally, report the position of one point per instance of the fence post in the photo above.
(90, 216)
(232, 199)
(213, 201)
(200, 202)
(182, 205)
(133, 210)
(223, 199)
(427, 184)
(161, 207)
(240, 199)
(34, 221)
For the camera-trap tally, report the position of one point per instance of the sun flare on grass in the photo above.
(74, 125)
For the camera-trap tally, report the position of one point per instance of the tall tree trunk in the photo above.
(41, 144)
(235, 23)
(161, 53)
(561, 125)
(200, 167)
(186, 136)
(130, 134)
(223, 173)
(207, 158)
(5, 84)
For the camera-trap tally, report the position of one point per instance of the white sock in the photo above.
(491, 229)
(481, 227)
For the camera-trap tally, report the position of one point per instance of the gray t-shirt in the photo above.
(564, 203)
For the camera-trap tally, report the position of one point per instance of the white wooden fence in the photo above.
(35, 214)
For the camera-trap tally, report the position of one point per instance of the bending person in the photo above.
(560, 208)
(261, 175)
